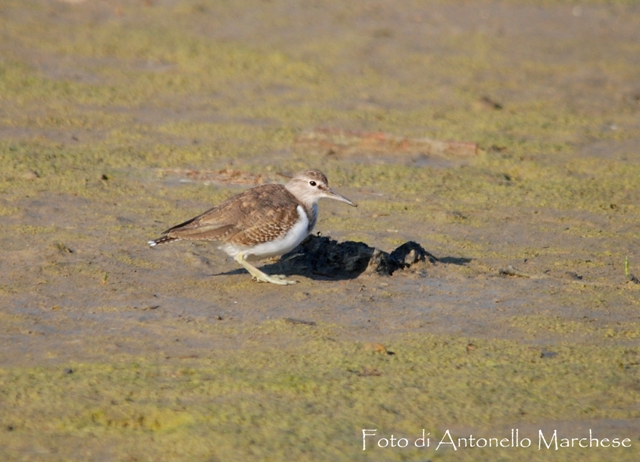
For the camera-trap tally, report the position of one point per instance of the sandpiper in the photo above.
(262, 222)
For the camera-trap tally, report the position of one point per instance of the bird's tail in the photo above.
(162, 240)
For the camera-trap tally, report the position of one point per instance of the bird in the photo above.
(261, 222)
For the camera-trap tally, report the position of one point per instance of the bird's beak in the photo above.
(333, 195)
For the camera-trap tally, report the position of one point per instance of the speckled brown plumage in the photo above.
(258, 215)
(262, 222)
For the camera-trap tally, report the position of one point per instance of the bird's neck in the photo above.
(308, 200)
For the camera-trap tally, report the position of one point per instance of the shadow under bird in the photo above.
(262, 222)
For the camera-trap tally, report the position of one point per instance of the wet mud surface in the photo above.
(475, 292)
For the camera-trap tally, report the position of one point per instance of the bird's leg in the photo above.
(259, 275)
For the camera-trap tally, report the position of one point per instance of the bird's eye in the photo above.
(312, 183)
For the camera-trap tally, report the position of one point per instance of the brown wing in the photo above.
(254, 216)
(265, 224)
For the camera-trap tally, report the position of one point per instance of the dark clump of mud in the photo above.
(323, 256)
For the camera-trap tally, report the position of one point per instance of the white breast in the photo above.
(280, 246)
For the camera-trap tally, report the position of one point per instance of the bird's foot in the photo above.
(259, 275)
(274, 279)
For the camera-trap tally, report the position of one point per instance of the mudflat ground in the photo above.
(120, 119)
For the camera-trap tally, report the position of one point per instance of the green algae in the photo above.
(148, 90)
(320, 386)
(585, 328)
